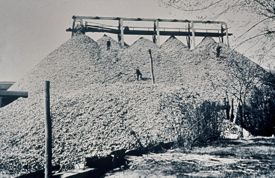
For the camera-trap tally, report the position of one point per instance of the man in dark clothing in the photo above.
(108, 44)
(218, 50)
(139, 74)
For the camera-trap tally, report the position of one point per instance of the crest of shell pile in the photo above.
(108, 55)
(81, 62)
(137, 56)
(174, 47)
(108, 65)
(207, 44)
(69, 67)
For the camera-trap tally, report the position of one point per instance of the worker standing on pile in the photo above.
(138, 74)
(108, 44)
(218, 51)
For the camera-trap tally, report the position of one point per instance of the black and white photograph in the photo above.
(137, 88)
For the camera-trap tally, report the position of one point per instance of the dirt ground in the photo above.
(254, 157)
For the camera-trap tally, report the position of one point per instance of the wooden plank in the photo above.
(151, 32)
(5, 85)
(4, 93)
(148, 19)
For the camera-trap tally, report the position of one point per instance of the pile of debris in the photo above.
(98, 106)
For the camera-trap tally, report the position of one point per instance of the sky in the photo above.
(31, 29)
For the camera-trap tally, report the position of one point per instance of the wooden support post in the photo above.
(119, 35)
(188, 40)
(222, 31)
(73, 26)
(232, 110)
(226, 107)
(152, 67)
(86, 24)
(158, 34)
(227, 110)
(227, 36)
(155, 32)
(81, 22)
(121, 32)
(48, 132)
(193, 34)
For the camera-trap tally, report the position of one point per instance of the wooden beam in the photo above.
(148, 19)
(5, 85)
(4, 93)
(146, 32)
(156, 32)
(7, 97)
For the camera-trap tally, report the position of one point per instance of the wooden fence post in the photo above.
(48, 132)
(188, 37)
(227, 108)
(232, 110)
(152, 67)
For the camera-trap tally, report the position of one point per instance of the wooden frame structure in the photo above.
(82, 24)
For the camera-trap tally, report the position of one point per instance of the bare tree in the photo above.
(243, 76)
(253, 90)
(264, 9)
